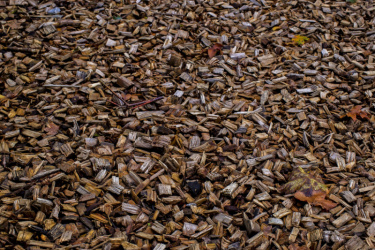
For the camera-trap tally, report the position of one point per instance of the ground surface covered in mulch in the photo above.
(187, 124)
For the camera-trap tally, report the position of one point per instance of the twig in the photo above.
(112, 102)
(130, 105)
(139, 104)
(119, 97)
(32, 183)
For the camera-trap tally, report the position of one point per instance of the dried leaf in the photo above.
(276, 28)
(300, 180)
(214, 49)
(356, 110)
(316, 198)
(300, 40)
(324, 203)
(51, 128)
(308, 186)
(363, 115)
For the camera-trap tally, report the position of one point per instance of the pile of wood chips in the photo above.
(191, 124)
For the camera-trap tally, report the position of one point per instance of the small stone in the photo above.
(194, 187)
